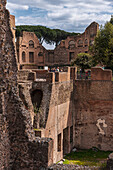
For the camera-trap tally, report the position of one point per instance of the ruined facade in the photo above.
(73, 45)
(31, 54)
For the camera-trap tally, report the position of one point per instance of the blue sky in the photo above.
(68, 15)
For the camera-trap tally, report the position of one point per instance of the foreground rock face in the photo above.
(19, 149)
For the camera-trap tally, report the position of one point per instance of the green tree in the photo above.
(50, 36)
(83, 60)
(102, 50)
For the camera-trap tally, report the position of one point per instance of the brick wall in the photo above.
(93, 114)
(66, 51)
(56, 111)
(26, 75)
(101, 74)
(37, 50)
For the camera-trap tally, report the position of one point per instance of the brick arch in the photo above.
(36, 97)
(31, 44)
(71, 44)
(80, 43)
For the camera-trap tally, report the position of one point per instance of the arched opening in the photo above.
(80, 43)
(23, 57)
(71, 44)
(36, 97)
(31, 44)
(40, 54)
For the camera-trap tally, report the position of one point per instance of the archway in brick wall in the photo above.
(36, 97)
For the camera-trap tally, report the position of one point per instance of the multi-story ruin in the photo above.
(69, 48)
(43, 115)
(31, 54)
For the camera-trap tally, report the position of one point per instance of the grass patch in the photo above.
(87, 158)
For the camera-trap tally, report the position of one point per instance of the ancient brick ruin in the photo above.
(75, 113)
(32, 55)
(71, 112)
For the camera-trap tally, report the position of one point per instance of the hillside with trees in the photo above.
(50, 36)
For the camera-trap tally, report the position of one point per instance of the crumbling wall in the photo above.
(37, 50)
(101, 74)
(68, 49)
(56, 112)
(93, 114)
(60, 117)
(19, 149)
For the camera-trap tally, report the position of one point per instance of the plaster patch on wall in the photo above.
(100, 121)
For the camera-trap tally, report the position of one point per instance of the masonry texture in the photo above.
(55, 119)
(75, 113)
(19, 149)
(68, 49)
(94, 114)
(31, 54)
(65, 113)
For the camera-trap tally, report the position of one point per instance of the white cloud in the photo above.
(13, 7)
(74, 15)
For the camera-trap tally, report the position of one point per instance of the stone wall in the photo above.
(60, 119)
(75, 113)
(93, 114)
(56, 110)
(19, 149)
(12, 23)
(101, 74)
(26, 75)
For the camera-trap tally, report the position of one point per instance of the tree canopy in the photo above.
(102, 50)
(83, 60)
(50, 36)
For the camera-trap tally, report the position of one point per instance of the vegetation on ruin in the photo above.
(50, 36)
(83, 60)
(102, 50)
(38, 117)
(91, 157)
